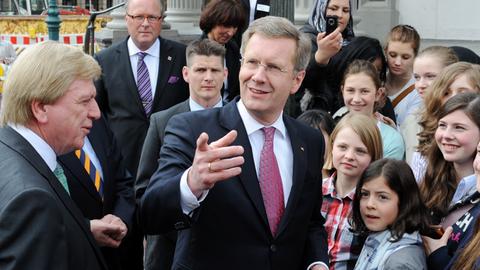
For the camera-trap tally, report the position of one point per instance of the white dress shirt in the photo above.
(281, 146)
(194, 106)
(253, 5)
(152, 61)
(43, 148)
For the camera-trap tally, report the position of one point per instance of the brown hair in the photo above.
(222, 12)
(204, 47)
(433, 99)
(278, 27)
(406, 34)
(441, 179)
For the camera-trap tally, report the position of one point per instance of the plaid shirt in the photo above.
(343, 246)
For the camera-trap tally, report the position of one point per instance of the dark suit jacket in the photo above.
(118, 196)
(230, 229)
(118, 97)
(160, 249)
(151, 147)
(40, 225)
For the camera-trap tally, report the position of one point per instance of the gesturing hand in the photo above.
(214, 162)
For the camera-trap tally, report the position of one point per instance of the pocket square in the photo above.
(173, 79)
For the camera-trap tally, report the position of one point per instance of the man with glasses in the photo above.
(140, 75)
(241, 183)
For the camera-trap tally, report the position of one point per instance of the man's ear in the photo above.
(225, 73)
(185, 73)
(39, 111)
(297, 81)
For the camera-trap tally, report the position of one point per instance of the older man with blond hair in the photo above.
(48, 108)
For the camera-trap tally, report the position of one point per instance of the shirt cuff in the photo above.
(188, 201)
(317, 263)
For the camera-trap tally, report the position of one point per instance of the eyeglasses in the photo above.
(141, 18)
(270, 69)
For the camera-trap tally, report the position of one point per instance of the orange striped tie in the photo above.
(91, 170)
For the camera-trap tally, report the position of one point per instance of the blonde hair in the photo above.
(445, 55)
(366, 128)
(43, 72)
(434, 96)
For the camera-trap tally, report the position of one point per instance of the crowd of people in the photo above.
(156, 155)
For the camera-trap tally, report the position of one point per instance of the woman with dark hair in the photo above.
(219, 21)
(325, 48)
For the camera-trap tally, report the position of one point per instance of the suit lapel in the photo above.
(299, 170)
(167, 58)
(231, 120)
(22, 147)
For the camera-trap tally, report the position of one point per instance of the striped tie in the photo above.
(91, 170)
(143, 83)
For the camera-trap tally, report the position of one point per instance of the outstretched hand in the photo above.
(214, 162)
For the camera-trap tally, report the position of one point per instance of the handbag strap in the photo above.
(402, 95)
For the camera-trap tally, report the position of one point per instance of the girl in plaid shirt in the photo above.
(354, 143)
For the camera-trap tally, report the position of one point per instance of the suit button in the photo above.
(273, 248)
(179, 225)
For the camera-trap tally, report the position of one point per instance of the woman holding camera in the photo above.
(326, 14)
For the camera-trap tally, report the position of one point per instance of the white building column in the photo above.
(183, 16)
(303, 8)
(183, 11)
(377, 17)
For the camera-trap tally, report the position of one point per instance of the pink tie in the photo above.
(271, 181)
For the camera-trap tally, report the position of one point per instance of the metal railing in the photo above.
(89, 40)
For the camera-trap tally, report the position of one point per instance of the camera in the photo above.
(331, 24)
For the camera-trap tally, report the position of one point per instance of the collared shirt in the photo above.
(194, 106)
(408, 105)
(42, 147)
(253, 6)
(466, 187)
(152, 60)
(281, 146)
(88, 148)
(342, 243)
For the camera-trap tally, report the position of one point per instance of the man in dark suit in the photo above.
(251, 198)
(205, 74)
(140, 75)
(119, 94)
(47, 110)
(106, 198)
